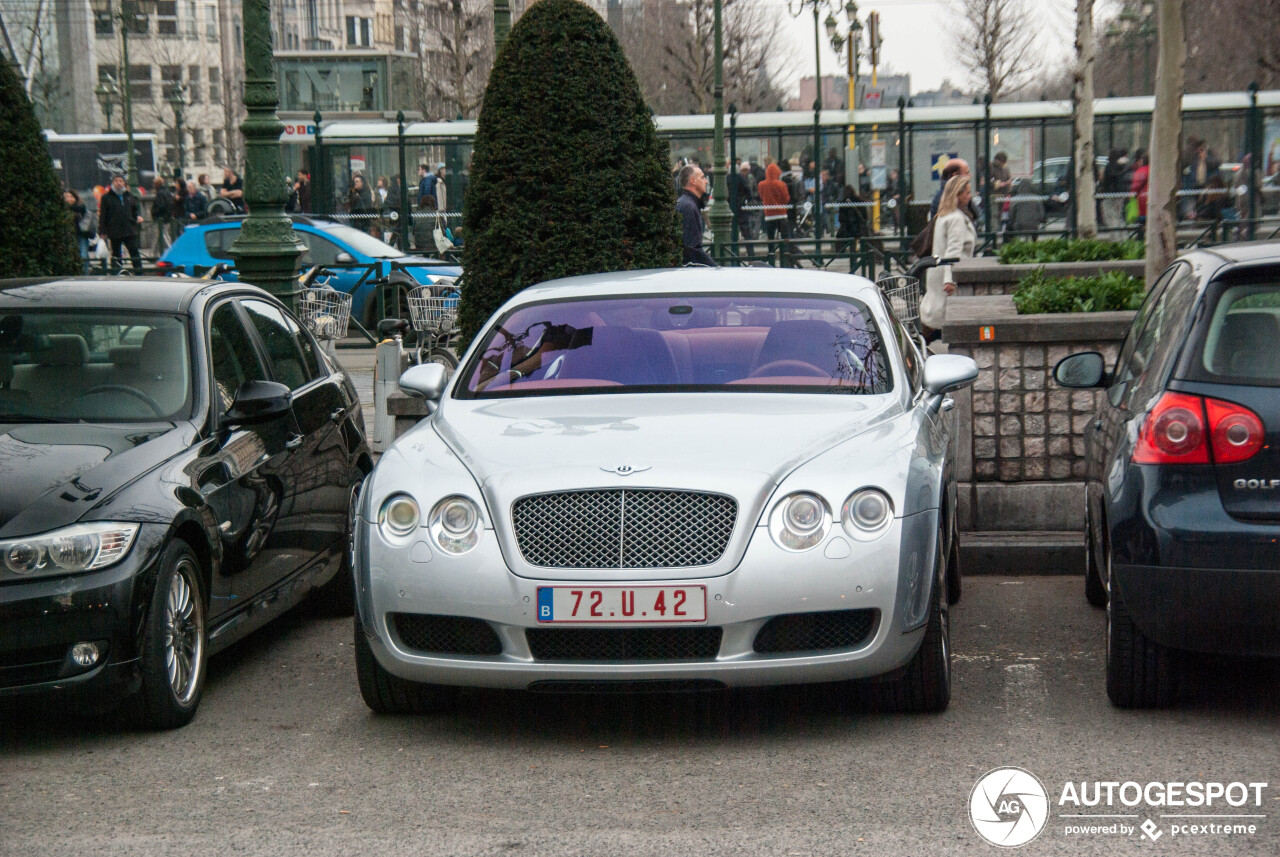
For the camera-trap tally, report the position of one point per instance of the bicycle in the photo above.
(433, 313)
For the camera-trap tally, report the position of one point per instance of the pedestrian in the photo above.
(1115, 188)
(1215, 204)
(742, 193)
(442, 196)
(1001, 177)
(851, 219)
(178, 210)
(381, 195)
(693, 186)
(892, 193)
(1026, 212)
(119, 217)
(196, 205)
(776, 199)
(233, 190)
(1138, 186)
(426, 183)
(303, 188)
(205, 189)
(955, 167)
(360, 204)
(161, 211)
(793, 178)
(424, 224)
(83, 221)
(953, 237)
(1202, 166)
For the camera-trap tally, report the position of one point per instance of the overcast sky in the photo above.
(918, 37)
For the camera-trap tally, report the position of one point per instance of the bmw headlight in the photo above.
(81, 547)
(398, 517)
(867, 514)
(455, 525)
(799, 521)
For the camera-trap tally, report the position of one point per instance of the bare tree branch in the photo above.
(994, 42)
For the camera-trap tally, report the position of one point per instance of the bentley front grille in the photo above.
(624, 644)
(816, 632)
(623, 528)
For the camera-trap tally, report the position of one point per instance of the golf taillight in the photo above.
(1236, 432)
(1181, 429)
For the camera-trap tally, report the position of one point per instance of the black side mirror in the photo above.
(1084, 370)
(257, 402)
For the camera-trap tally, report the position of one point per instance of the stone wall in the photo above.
(1021, 438)
(985, 276)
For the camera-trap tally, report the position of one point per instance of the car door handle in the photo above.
(294, 442)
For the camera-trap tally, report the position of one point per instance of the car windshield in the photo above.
(70, 365)
(362, 242)
(732, 343)
(1242, 343)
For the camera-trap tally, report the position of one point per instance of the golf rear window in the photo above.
(1242, 341)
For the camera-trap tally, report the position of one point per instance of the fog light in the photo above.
(85, 654)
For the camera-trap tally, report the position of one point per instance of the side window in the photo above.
(1164, 334)
(1126, 369)
(286, 360)
(322, 251)
(218, 242)
(307, 344)
(234, 359)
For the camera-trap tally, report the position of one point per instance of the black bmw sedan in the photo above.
(178, 462)
(1183, 511)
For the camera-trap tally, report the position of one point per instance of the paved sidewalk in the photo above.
(359, 365)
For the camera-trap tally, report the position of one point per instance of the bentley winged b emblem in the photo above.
(625, 469)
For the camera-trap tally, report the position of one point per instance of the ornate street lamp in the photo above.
(127, 17)
(267, 250)
(852, 41)
(796, 8)
(178, 100)
(721, 217)
(108, 94)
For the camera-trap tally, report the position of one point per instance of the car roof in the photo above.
(157, 294)
(699, 279)
(1247, 252)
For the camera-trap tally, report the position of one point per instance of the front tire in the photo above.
(953, 565)
(925, 683)
(174, 643)
(385, 693)
(337, 597)
(1140, 673)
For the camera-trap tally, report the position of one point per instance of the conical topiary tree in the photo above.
(568, 175)
(37, 236)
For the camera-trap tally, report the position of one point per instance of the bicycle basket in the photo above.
(902, 293)
(431, 312)
(325, 312)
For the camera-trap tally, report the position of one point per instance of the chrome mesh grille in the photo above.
(623, 528)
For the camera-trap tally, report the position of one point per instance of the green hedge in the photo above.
(37, 236)
(1114, 290)
(569, 176)
(1068, 250)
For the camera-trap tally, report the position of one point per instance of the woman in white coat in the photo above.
(953, 238)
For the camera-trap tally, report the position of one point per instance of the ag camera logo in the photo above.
(1009, 807)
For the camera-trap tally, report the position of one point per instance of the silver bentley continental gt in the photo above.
(668, 480)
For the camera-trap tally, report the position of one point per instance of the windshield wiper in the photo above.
(27, 418)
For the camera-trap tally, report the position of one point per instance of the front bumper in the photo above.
(40, 620)
(839, 575)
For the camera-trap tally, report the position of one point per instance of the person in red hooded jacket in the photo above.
(775, 198)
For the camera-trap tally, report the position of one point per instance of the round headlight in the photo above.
(867, 514)
(455, 525)
(399, 515)
(799, 521)
(73, 552)
(23, 558)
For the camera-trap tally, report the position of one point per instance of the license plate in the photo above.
(578, 604)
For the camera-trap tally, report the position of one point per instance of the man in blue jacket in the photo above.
(426, 184)
(693, 186)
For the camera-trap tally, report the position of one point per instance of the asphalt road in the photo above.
(284, 758)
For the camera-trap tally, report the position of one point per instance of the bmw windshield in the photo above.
(732, 343)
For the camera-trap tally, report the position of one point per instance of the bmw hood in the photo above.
(718, 442)
(54, 473)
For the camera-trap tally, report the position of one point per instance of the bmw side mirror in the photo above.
(426, 381)
(257, 402)
(344, 258)
(946, 373)
(1084, 370)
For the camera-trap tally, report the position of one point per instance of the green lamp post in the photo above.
(267, 250)
(721, 216)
